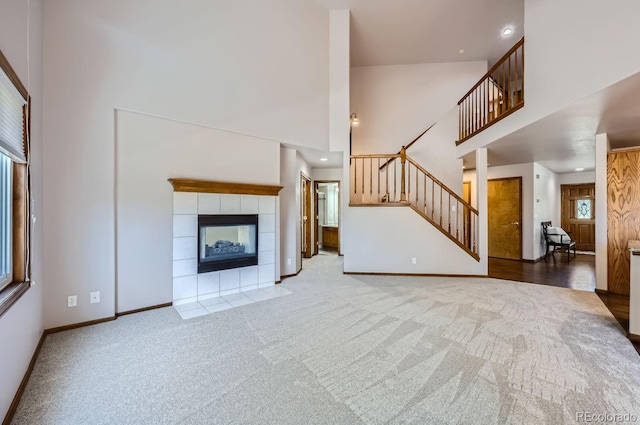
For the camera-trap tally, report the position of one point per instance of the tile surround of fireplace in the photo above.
(188, 285)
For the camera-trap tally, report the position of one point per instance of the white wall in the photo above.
(339, 51)
(397, 103)
(149, 151)
(194, 61)
(387, 239)
(546, 204)
(562, 39)
(340, 104)
(289, 212)
(21, 326)
(577, 178)
(436, 151)
(602, 150)
(292, 164)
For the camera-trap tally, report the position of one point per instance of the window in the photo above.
(5, 221)
(14, 187)
(583, 209)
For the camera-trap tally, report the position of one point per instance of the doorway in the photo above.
(305, 201)
(327, 216)
(579, 214)
(504, 204)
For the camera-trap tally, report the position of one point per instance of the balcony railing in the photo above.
(499, 93)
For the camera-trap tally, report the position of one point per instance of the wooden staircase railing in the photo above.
(404, 183)
(499, 93)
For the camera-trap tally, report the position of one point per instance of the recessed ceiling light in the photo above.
(507, 32)
(461, 51)
(464, 166)
(323, 159)
(579, 169)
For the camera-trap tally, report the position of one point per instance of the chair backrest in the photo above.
(545, 225)
(557, 236)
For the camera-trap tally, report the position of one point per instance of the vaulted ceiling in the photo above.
(385, 32)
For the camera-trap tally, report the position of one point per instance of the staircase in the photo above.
(396, 180)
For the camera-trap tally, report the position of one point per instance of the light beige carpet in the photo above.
(348, 350)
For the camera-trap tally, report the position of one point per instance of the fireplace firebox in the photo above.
(227, 242)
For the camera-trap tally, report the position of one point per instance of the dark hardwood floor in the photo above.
(580, 274)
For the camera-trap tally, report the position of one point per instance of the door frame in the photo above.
(315, 219)
(305, 210)
(564, 221)
(519, 178)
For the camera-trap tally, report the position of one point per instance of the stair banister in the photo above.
(420, 193)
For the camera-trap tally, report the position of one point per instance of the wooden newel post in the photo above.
(403, 159)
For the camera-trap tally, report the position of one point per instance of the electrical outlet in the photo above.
(72, 300)
(94, 297)
(414, 260)
(288, 261)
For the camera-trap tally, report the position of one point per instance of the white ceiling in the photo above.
(565, 140)
(314, 157)
(392, 32)
(386, 32)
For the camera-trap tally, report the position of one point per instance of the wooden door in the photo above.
(578, 214)
(305, 198)
(504, 198)
(466, 195)
(623, 215)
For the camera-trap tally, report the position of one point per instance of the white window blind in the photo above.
(5, 221)
(11, 119)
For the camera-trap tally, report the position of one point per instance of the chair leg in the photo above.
(546, 254)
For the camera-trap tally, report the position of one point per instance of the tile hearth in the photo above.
(213, 305)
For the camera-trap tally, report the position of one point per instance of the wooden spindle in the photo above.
(403, 159)
(449, 216)
(433, 202)
(457, 214)
(459, 123)
(440, 205)
(371, 179)
(378, 179)
(355, 176)
(395, 179)
(425, 193)
(510, 102)
(417, 187)
(474, 227)
(386, 173)
(522, 90)
(485, 107)
(504, 87)
(516, 75)
(408, 181)
(363, 177)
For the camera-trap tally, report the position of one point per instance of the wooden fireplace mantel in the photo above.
(206, 186)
